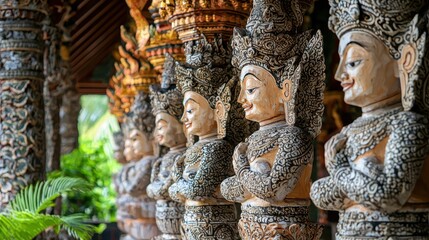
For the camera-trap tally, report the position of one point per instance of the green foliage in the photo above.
(24, 218)
(91, 163)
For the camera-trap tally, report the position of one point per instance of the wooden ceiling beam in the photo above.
(89, 12)
(86, 52)
(98, 31)
(101, 15)
(87, 65)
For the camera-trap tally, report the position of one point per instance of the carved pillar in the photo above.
(205, 28)
(69, 114)
(282, 82)
(22, 150)
(52, 97)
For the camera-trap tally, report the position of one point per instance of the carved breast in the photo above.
(192, 161)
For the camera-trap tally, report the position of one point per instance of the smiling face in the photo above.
(198, 117)
(169, 131)
(137, 145)
(261, 98)
(367, 72)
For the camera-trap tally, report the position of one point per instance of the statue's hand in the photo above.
(332, 148)
(239, 157)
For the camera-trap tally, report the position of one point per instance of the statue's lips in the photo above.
(247, 107)
(187, 125)
(347, 85)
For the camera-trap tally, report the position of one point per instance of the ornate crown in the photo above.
(387, 20)
(270, 38)
(206, 69)
(273, 42)
(140, 116)
(168, 98)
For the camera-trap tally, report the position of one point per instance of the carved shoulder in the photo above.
(218, 149)
(294, 143)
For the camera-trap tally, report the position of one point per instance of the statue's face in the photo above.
(198, 118)
(260, 98)
(169, 131)
(367, 72)
(137, 145)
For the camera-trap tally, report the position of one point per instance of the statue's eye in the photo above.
(353, 64)
(251, 90)
(189, 111)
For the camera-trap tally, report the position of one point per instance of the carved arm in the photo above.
(294, 154)
(214, 168)
(405, 153)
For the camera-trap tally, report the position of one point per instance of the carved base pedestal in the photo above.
(376, 225)
(168, 218)
(215, 222)
(267, 223)
(136, 216)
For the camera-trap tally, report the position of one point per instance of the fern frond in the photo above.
(37, 198)
(27, 225)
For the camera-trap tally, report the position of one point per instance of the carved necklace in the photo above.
(365, 133)
(264, 140)
(193, 154)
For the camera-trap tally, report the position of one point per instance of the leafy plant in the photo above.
(91, 163)
(24, 217)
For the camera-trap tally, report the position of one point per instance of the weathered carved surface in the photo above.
(69, 114)
(136, 211)
(378, 163)
(206, 163)
(21, 87)
(282, 82)
(167, 107)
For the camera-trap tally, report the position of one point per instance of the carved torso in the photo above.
(378, 178)
(207, 163)
(136, 211)
(161, 178)
(367, 143)
(270, 148)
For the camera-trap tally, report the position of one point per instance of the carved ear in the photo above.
(220, 110)
(407, 64)
(408, 58)
(287, 90)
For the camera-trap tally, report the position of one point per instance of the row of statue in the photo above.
(272, 73)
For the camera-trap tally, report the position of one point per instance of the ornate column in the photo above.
(210, 113)
(22, 140)
(378, 164)
(52, 93)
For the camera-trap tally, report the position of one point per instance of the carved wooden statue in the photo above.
(378, 164)
(136, 211)
(207, 162)
(168, 109)
(282, 83)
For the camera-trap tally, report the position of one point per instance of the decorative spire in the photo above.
(190, 18)
(163, 39)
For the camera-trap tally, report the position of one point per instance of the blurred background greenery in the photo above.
(93, 161)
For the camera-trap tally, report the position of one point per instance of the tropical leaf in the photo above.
(27, 225)
(36, 198)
